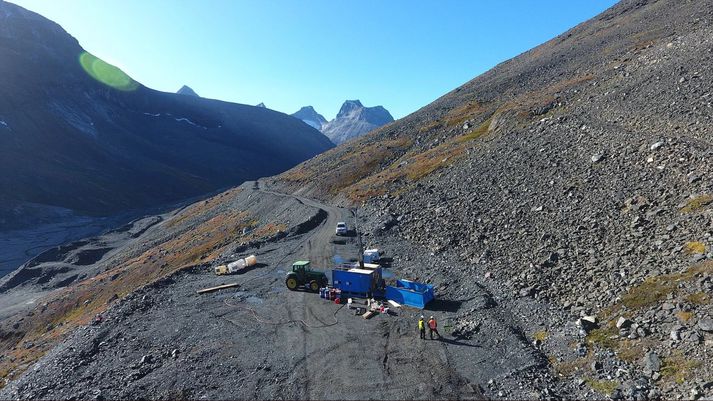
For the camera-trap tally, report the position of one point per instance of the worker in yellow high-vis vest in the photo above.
(422, 327)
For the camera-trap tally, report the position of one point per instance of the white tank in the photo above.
(237, 265)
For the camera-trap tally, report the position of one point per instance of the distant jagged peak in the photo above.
(186, 90)
(354, 120)
(310, 116)
(309, 112)
(261, 104)
(349, 106)
(306, 109)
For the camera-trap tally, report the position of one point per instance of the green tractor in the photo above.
(303, 275)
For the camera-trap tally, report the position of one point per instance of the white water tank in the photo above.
(237, 265)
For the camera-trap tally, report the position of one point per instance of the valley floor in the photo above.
(18, 246)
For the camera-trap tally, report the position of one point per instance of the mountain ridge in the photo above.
(131, 135)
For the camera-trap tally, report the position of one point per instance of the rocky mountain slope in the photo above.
(309, 115)
(354, 120)
(578, 173)
(79, 134)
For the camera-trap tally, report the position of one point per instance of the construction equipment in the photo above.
(353, 281)
(302, 275)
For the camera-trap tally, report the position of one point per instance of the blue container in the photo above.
(357, 282)
(410, 293)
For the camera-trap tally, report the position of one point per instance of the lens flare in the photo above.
(106, 73)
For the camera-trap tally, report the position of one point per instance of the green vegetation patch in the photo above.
(655, 289)
(541, 335)
(678, 367)
(695, 248)
(478, 132)
(606, 337)
(569, 368)
(606, 387)
(697, 203)
(650, 292)
(698, 298)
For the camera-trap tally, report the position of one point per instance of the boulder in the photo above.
(587, 323)
(706, 324)
(652, 363)
(623, 323)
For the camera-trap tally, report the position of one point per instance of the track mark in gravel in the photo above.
(385, 361)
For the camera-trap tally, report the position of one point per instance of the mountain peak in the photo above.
(349, 106)
(186, 90)
(310, 116)
(354, 120)
(261, 104)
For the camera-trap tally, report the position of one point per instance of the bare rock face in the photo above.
(310, 116)
(354, 120)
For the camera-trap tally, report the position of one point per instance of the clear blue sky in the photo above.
(401, 54)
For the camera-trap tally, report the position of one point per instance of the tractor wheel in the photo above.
(291, 283)
(314, 286)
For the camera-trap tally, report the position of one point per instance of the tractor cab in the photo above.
(301, 267)
(303, 275)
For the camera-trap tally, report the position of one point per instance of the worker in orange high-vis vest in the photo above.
(433, 327)
(422, 327)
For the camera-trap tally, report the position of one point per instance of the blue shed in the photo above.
(410, 293)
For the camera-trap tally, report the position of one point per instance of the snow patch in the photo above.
(4, 124)
(178, 119)
(189, 122)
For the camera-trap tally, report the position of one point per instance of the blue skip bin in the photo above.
(410, 293)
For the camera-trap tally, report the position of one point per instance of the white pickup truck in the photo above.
(341, 228)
